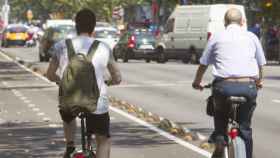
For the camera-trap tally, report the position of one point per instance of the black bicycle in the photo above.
(235, 146)
(86, 140)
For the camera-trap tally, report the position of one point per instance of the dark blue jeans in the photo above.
(221, 90)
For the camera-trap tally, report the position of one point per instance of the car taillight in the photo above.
(29, 36)
(209, 34)
(7, 35)
(131, 42)
(79, 155)
(233, 133)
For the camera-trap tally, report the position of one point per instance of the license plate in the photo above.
(146, 46)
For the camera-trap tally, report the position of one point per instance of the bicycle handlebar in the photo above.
(207, 86)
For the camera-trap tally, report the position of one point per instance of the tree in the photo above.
(43, 8)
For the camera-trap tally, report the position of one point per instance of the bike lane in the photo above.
(31, 127)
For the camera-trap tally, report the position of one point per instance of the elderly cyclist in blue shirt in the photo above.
(238, 59)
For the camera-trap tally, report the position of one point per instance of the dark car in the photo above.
(138, 44)
(51, 36)
(15, 34)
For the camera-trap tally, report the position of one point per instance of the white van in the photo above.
(188, 28)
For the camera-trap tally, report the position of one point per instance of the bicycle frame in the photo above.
(87, 149)
(233, 131)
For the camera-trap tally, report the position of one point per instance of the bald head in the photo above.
(233, 16)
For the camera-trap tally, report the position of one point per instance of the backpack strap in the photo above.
(92, 50)
(70, 48)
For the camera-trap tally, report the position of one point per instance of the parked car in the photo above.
(15, 34)
(108, 35)
(51, 36)
(188, 28)
(138, 44)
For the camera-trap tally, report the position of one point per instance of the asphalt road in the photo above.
(31, 127)
(165, 89)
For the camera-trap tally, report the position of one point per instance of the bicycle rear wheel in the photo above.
(237, 148)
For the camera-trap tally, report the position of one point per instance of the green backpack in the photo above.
(78, 89)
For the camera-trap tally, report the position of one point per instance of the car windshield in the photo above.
(106, 34)
(17, 29)
(144, 35)
(61, 32)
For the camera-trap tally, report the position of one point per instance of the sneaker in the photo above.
(219, 147)
(68, 152)
(218, 154)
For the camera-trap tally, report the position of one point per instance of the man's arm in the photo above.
(261, 61)
(51, 72)
(198, 77)
(114, 71)
(205, 60)
(259, 81)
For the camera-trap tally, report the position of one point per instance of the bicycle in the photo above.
(235, 146)
(86, 139)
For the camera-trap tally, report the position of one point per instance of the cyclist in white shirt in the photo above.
(237, 58)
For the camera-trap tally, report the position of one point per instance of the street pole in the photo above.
(5, 13)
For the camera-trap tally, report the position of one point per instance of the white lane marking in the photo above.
(41, 114)
(54, 125)
(31, 105)
(22, 98)
(18, 94)
(14, 91)
(46, 119)
(27, 101)
(276, 100)
(36, 109)
(163, 133)
(4, 83)
(59, 132)
(112, 118)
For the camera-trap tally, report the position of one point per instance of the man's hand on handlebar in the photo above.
(259, 84)
(197, 85)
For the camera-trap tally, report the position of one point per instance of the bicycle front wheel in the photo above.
(237, 148)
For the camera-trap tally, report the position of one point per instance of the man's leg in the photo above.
(69, 127)
(245, 115)
(103, 146)
(99, 124)
(69, 132)
(220, 123)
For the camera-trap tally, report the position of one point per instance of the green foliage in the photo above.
(43, 8)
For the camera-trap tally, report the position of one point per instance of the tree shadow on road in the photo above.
(38, 140)
(128, 135)
(30, 140)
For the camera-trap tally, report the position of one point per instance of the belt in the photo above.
(239, 79)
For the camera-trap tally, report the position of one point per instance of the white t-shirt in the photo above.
(100, 61)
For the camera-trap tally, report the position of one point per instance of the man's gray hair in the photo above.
(233, 16)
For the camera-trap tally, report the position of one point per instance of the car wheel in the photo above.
(41, 58)
(115, 56)
(148, 60)
(125, 57)
(186, 59)
(194, 59)
(161, 56)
